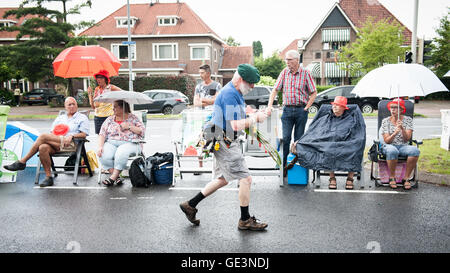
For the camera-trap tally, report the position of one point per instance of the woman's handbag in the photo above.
(373, 153)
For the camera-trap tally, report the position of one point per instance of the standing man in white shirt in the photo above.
(206, 91)
(205, 94)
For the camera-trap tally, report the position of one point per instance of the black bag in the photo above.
(70, 161)
(372, 153)
(137, 175)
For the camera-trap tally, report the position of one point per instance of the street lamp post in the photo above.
(414, 32)
(130, 65)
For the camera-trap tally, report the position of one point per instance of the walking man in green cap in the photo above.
(229, 115)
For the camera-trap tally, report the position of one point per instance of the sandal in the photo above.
(349, 186)
(332, 186)
(119, 181)
(406, 186)
(392, 183)
(108, 182)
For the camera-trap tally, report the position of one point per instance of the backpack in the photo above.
(137, 175)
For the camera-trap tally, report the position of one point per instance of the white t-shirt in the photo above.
(205, 91)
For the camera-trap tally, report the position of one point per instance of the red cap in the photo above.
(398, 102)
(341, 101)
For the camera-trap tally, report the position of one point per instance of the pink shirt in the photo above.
(111, 129)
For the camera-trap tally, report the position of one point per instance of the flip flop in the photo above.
(108, 182)
(332, 186)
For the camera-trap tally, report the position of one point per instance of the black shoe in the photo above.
(48, 181)
(16, 166)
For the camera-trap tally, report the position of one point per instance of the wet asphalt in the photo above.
(93, 218)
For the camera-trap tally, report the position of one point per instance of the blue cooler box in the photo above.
(297, 175)
(164, 174)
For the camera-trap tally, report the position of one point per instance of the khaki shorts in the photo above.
(230, 162)
(70, 148)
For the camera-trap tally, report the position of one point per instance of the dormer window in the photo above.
(7, 23)
(167, 20)
(122, 22)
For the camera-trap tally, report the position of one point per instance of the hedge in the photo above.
(184, 83)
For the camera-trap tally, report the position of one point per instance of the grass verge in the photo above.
(433, 158)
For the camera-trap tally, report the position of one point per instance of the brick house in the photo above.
(337, 29)
(9, 38)
(171, 39)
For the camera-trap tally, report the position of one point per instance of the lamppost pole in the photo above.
(130, 65)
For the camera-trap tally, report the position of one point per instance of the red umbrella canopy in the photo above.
(85, 61)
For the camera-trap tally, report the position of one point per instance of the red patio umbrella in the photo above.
(85, 61)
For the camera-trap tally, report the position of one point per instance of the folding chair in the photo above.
(80, 152)
(325, 108)
(383, 113)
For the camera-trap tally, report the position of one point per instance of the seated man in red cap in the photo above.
(334, 141)
(65, 128)
(396, 131)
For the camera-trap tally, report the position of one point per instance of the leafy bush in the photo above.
(6, 95)
(184, 83)
(321, 88)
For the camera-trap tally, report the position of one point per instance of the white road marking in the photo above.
(359, 191)
(145, 197)
(199, 189)
(70, 188)
(118, 198)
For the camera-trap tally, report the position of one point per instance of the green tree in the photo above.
(377, 43)
(440, 48)
(49, 34)
(271, 66)
(231, 41)
(257, 49)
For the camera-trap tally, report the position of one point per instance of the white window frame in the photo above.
(326, 46)
(155, 51)
(204, 46)
(121, 22)
(133, 52)
(173, 20)
(215, 55)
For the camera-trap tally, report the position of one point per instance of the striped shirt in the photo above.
(296, 87)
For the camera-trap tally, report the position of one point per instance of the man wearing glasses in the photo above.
(299, 93)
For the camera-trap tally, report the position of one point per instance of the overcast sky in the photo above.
(275, 23)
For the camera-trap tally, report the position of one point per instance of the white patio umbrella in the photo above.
(447, 74)
(128, 96)
(399, 80)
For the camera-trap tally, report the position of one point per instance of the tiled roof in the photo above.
(359, 10)
(7, 34)
(236, 55)
(293, 45)
(147, 24)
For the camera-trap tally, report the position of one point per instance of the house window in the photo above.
(167, 21)
(199, 52)
(337, 45)
(317, 55)
(121, 52)
(330, 54)
(215, 55)
(7, 23)
(326, 46)
(165, 52)
(122, 22)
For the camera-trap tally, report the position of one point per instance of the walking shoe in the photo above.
(48, 181)
(190, 213)
(16, 166)
(252, 224)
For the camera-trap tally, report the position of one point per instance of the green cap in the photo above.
(248, 73)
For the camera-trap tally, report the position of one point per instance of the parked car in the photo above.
(164, 101)
(366, 104)
(41, 95)
(258, 96)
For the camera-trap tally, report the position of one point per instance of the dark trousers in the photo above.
(98, 122)
(292, 118)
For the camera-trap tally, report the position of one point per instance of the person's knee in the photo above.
(44, 148)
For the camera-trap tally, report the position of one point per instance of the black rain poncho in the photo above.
(333, 143)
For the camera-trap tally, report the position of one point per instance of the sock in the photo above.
(194, 201)
(244, 213)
